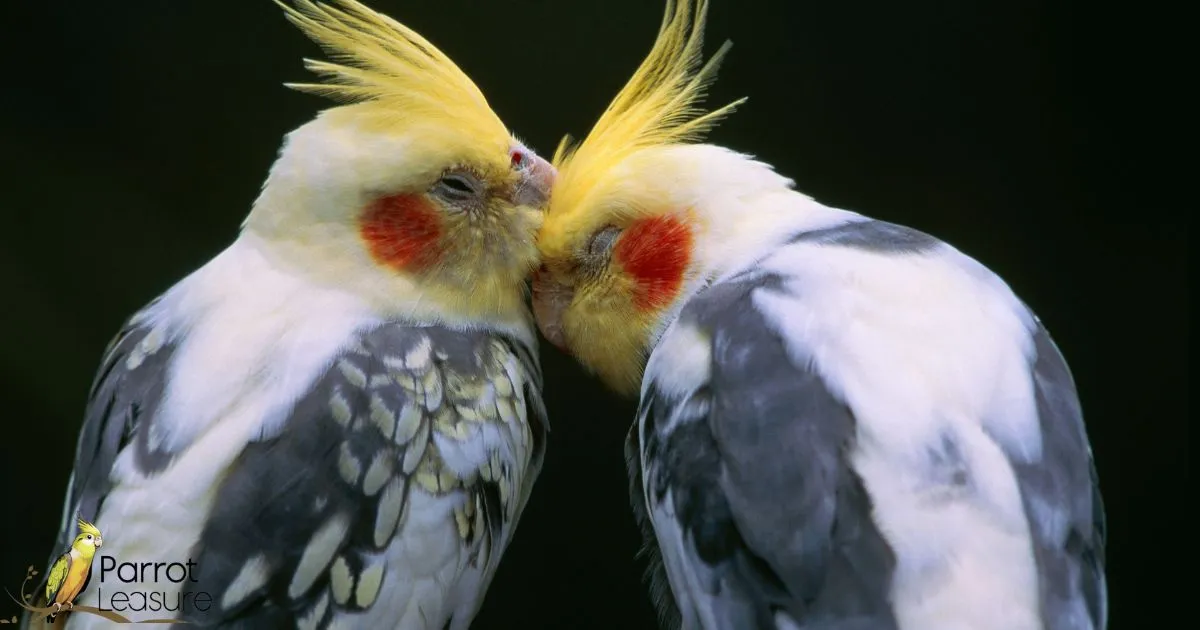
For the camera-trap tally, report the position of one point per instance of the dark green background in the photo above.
(134, 135)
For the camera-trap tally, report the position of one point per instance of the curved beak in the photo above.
(534, 188)
(550, 301)
(99, 542)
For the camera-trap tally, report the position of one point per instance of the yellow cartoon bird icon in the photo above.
(70, 571)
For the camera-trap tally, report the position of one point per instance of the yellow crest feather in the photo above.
(657, 107)
(87, 528)
(382, 62)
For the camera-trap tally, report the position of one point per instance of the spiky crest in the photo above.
(87, 528)
(657, 107)
(389, 68)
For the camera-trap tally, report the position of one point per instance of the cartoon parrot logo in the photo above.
(70, 572)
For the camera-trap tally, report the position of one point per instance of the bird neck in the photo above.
(739, 238)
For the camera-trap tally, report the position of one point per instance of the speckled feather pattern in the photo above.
(316, 526)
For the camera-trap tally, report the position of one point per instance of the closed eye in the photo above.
(602, 242)
(457, 188)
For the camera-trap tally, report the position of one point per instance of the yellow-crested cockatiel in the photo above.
(844, 423)
(337, 419)
(69, 574)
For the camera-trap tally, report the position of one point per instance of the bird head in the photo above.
(411, 192)
(89, 538)
(634, 221)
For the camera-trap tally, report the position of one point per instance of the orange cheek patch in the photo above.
(655, 252)
(402, 231)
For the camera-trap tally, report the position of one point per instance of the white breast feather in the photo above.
(251, 341)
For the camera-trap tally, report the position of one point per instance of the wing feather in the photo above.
(1062, 500)
(56, 575)
(121, 403)
(721, 453)
(405, 411)
(408, 422)
(762, 521)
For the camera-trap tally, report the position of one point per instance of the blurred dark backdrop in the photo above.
(134, 135)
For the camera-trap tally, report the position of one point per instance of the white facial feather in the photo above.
(308, 213)
(744, 209)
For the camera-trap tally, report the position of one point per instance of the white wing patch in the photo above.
(317, 554)
(233, 350)
(234, 378)
(452, 428)
(963, 342)
(252, 577)
(680, 361)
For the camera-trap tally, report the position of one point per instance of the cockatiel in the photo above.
(844, 423)
(69, 574)
(338, 418)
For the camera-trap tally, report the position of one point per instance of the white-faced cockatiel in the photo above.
(338, 418)
(844, 423)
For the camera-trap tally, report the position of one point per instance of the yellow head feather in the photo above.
(87, 528)
(391, 71)
(657, 107)
(590, 306)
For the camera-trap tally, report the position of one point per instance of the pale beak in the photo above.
(550, 301)
(538, 181)
(99, 543)
(543, 174)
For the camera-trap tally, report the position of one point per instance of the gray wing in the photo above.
(656, 574)
(120, 408)
(1062, 500)
(716, 460)
(301, 520)
(1059, 489)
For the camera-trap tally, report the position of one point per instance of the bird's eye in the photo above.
(519, 160)
(89, 536)
(457, 187)
(458, 184)
(602, 242)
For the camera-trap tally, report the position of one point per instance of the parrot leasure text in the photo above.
(148, 574)
(154, 601)
(135, 572)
